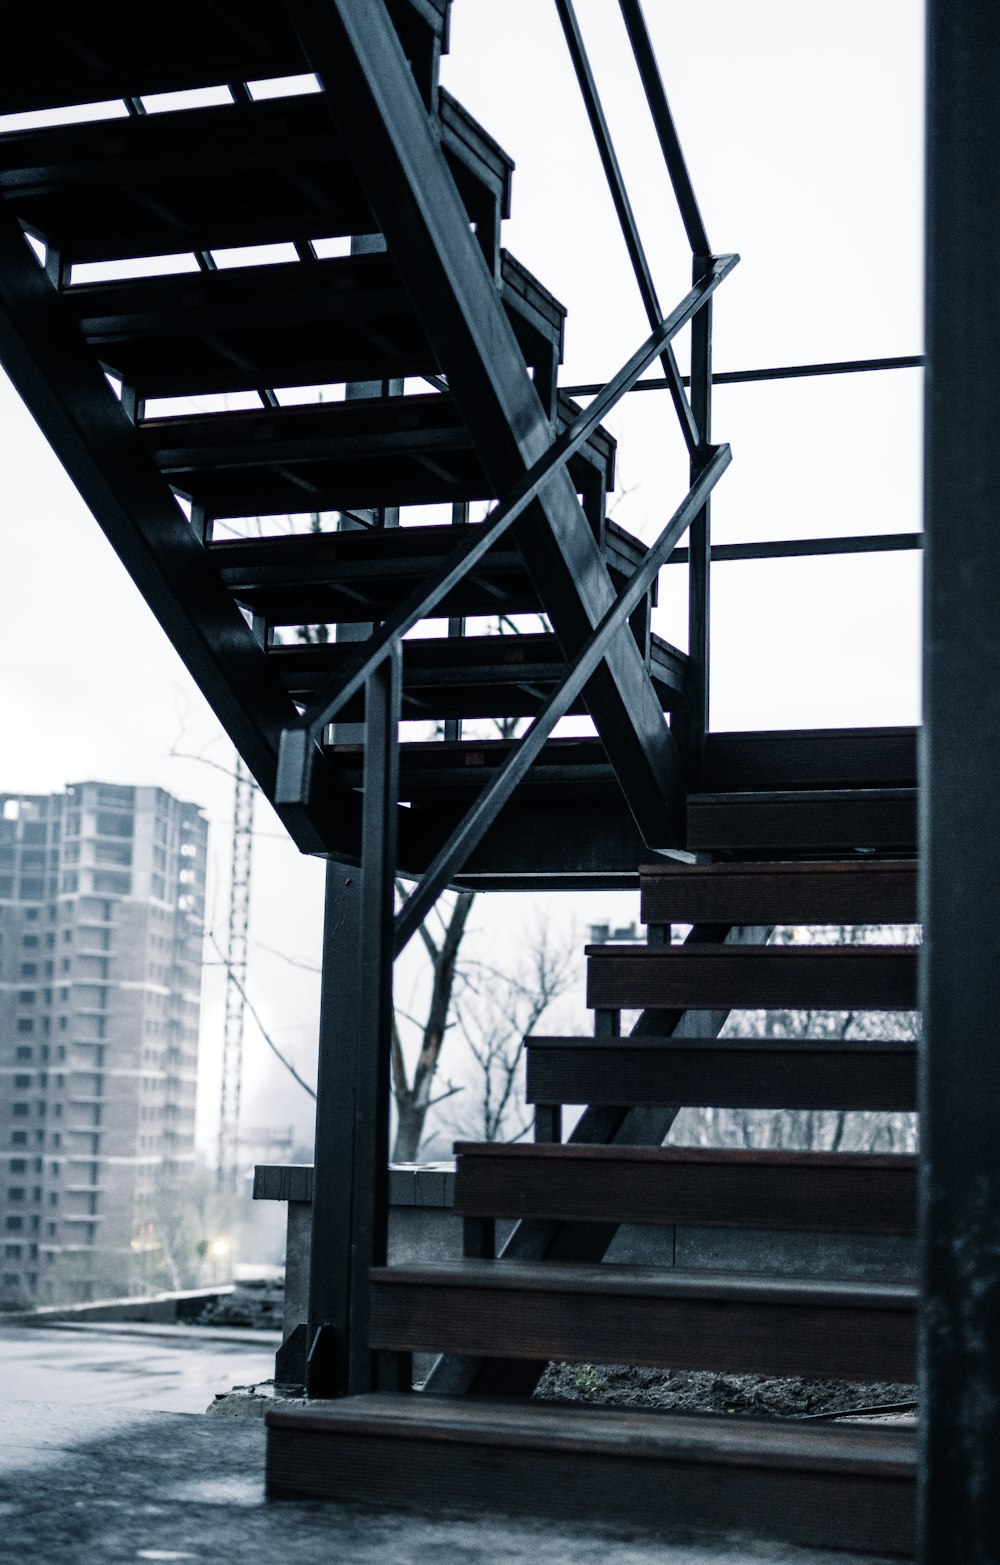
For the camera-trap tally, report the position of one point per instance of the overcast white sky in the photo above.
(803, 130)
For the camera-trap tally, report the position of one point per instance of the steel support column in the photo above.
(351, 1171)
(959, 1494)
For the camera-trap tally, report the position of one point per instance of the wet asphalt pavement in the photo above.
(168, 1369)
(105, 1461)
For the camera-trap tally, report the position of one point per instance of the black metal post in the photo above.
(696, 707)
(369, 1206)
(334, 1155)
(959, 1491)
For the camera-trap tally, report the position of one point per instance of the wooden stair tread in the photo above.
(728, 1157)
(361, 575)
(810, 758)
(469, 676)
(851, 1488)
(720, 1187)
(160, 183)
(678, 1042)
(865, 977)
(68, 55)
(645, 1282)
(750, 1442)
(433, 771)
(665, 1317)
(810, 822)
(772, 1073)
(846, 891)
(244, 326)
(339, 456)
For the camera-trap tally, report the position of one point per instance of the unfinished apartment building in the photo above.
(101, 910)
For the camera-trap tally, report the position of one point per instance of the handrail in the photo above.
(804, 548)
(491, 800)
(663, 120)
(299, 743)
(904, 361)
(626, 217)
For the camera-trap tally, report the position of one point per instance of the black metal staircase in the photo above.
(258, 533)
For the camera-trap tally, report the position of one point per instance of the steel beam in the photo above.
(391, 139)
(959, 1096)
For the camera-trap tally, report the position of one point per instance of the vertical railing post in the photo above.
(328, 1332)
(351, 1175)
(370, 1190)
(696, 711)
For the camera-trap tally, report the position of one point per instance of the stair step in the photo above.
(804, 821)
(765, 1073)
(834, 1192)
(358, 576)
(468, 676)
(850, 891)
(435, 771)
(157, 184)
(648, 1315)
(69, 54)
(706, 977)
(838, 1487)
(813, 758)
(340, 456)
(299, 323)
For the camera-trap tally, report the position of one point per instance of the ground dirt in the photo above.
(701, 1391)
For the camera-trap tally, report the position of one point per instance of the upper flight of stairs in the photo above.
(208, 179)
(549, 1295)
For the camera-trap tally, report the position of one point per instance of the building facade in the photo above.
(101, 915)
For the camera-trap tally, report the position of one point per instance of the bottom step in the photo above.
(828, 1486)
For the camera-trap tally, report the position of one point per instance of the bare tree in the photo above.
(494, 1011)
(413, 1093)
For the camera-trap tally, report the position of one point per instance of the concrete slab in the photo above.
(110, 1486)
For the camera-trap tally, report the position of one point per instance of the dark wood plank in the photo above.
(821, 1192)
(647, 1315)
(818, 823)
(766, 977)
(287, 324)
(849, 891)
(156, 184)
(789, 1073)
(840, 1487)
(469, 676)
(811, 758)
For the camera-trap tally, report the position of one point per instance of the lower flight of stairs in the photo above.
(840, 1486)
